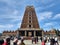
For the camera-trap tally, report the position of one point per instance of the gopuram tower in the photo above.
(30, 26)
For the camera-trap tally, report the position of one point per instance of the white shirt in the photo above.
(56, 39)
(48, 43)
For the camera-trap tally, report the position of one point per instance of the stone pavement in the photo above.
(29, 42)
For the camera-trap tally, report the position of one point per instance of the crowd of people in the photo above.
(44, 41)
(6, 41)
(50, 41)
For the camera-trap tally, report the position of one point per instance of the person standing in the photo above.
(22, 43)
(37, 38)
(5, 42)
(32, 40)
(15, 41)
(43, 42)
(52, 41)
(56, 43)
(41, 39)
(56, 40)
(1, 41)
(8, 40)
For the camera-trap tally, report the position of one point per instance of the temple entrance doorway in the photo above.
(30, 33)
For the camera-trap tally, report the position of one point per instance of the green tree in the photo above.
(57, 32)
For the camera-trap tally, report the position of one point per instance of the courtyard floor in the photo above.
(29, 42)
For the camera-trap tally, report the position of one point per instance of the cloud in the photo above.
(44, 15)
(13, 16)
(44, 7)
(48, 24)
(44, 4)
(19, 24)
(6, 26)
(57, 16)
(9, 2)
(15, 12)
(46, 1)
(11, 11)
(49, 6)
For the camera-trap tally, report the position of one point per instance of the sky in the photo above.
(12, 11)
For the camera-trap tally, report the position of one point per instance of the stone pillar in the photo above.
(25, 33)
(34, 33)
(17, 34)
(42, 33)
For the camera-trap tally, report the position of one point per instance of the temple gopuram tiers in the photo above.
(29, 26)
